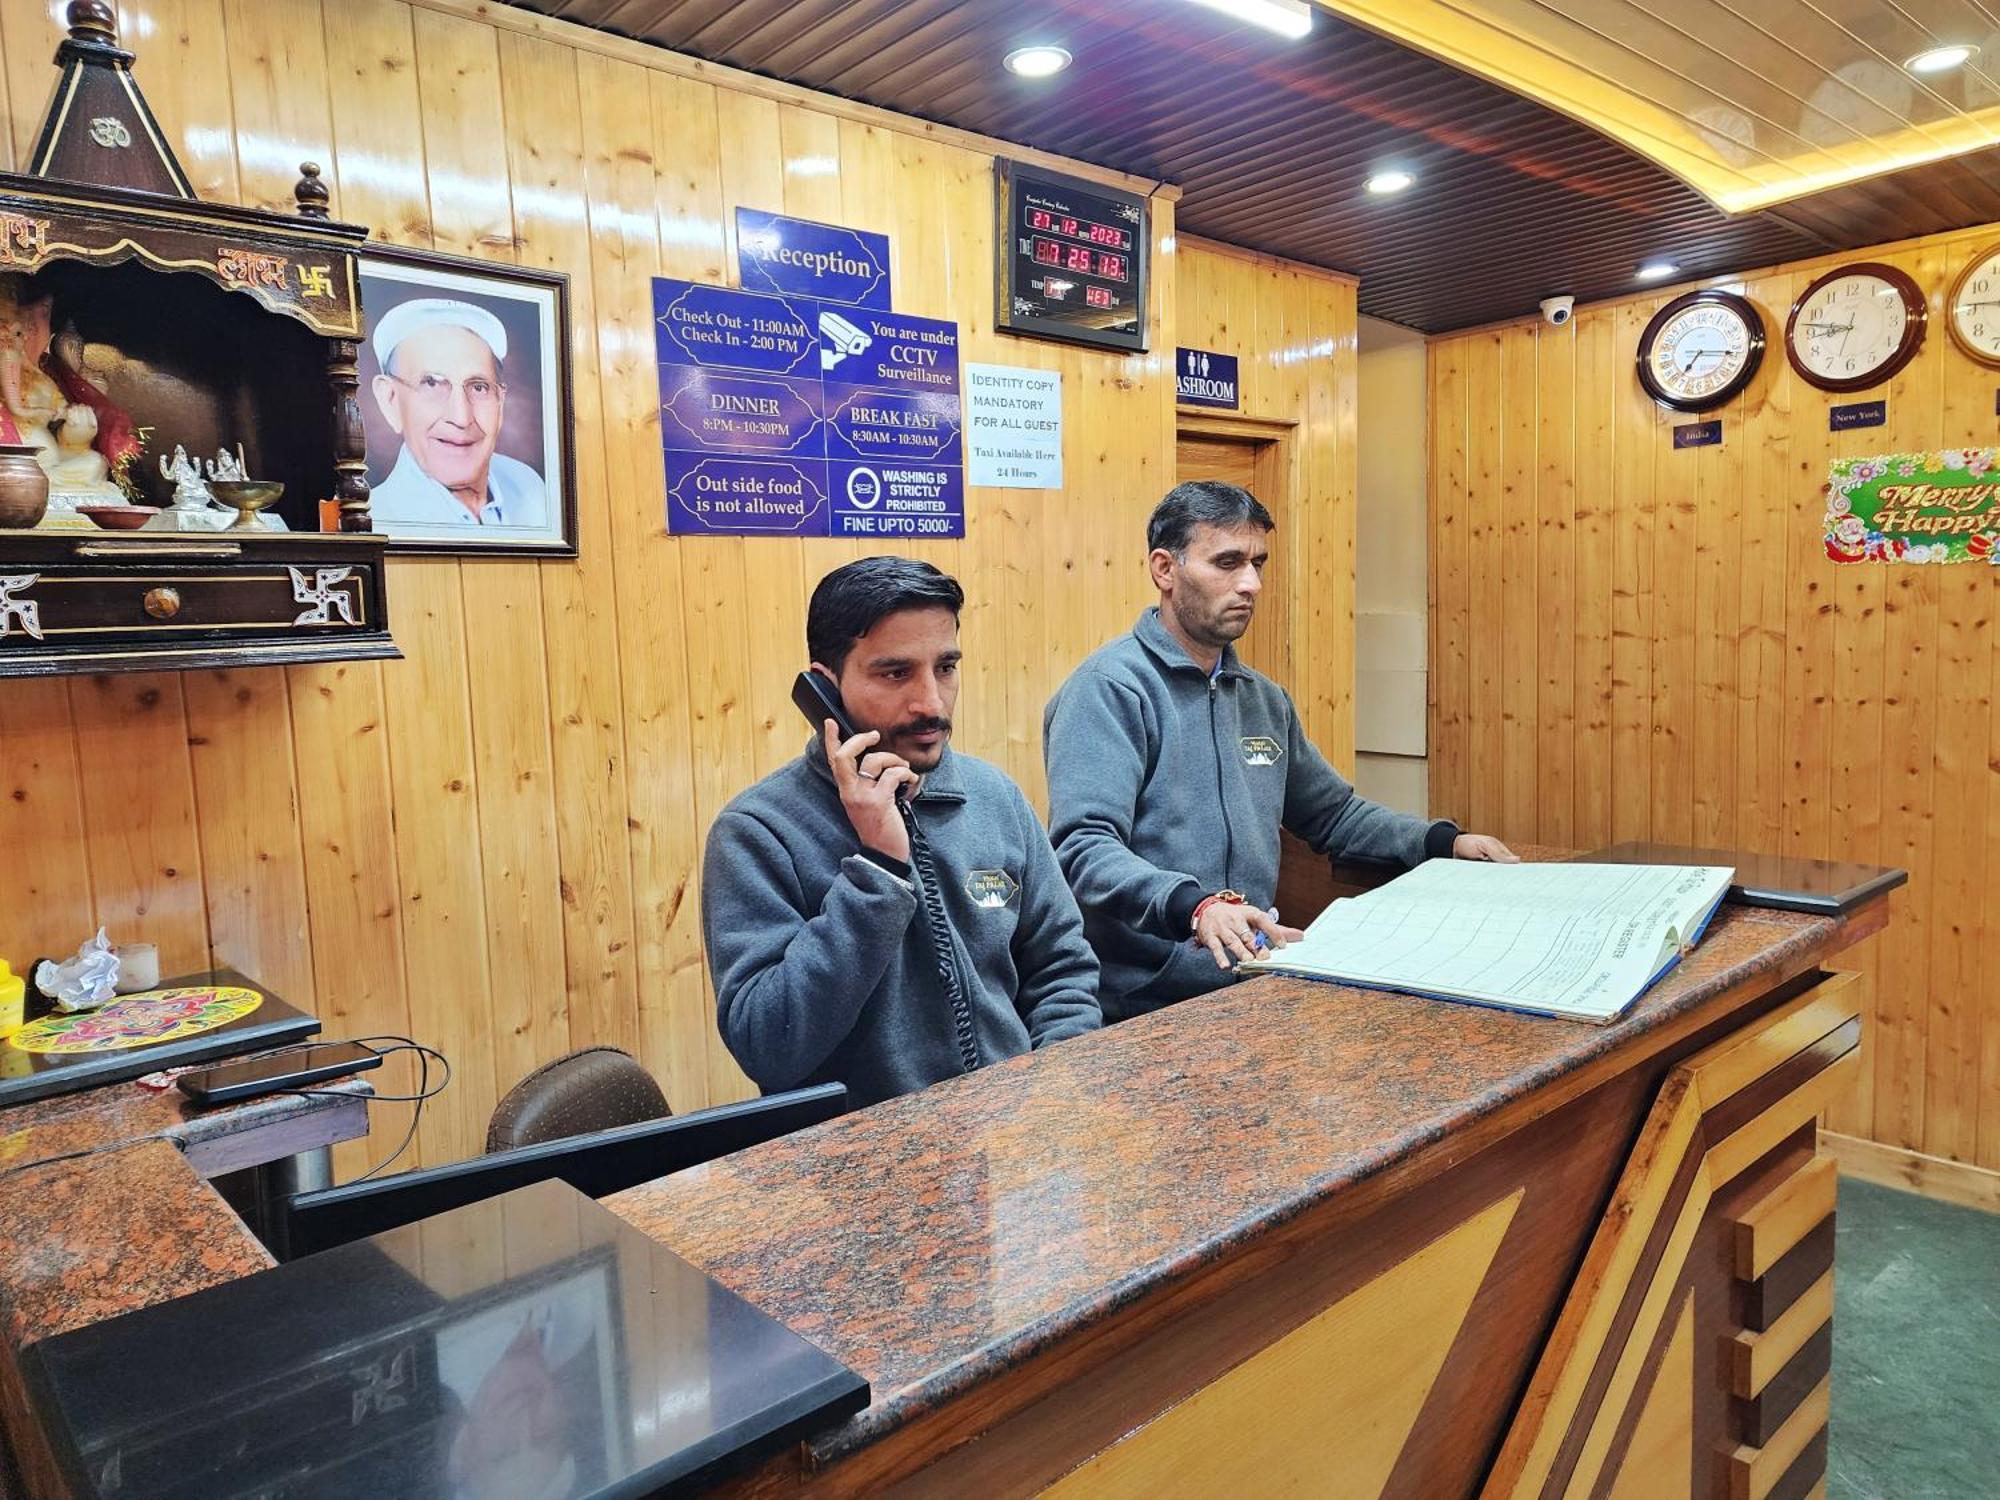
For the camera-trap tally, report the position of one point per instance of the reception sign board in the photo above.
(1937, 507)
(796, 257)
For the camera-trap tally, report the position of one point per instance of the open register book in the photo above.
(1581, 941)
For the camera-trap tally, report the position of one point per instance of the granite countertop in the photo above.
(101, 1213)
(115, 1112)
(936, 1240)
(82, 1241)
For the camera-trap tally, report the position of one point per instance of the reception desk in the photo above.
(1291, 1237)
(1299, 1238)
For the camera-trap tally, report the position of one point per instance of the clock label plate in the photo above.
(1856, 414)
(1698, 434)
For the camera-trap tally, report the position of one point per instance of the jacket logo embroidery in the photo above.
(1261, 750)
(991, 888)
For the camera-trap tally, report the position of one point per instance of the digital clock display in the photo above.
(1078, 229)
(1072, 258)
(1081, 259)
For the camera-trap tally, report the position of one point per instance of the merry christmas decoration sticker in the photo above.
(1940, 507)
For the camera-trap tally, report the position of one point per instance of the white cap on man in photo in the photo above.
(406, 318)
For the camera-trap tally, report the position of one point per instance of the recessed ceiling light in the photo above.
(1657, 270)
(1384, 183)
(1037, 62)
(1289, 18)
(1939, 59)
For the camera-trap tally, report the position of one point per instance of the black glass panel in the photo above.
(1788, 882)
(532, 1347)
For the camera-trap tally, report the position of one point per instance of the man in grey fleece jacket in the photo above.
(821, 894)
(1172, 767)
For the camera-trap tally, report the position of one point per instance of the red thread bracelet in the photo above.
(1232, 898)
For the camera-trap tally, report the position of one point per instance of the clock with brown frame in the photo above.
(1972, 311)
(1700, 349)
(143, 324)
(1855, 327)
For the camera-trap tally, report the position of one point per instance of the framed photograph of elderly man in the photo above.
(465, 394)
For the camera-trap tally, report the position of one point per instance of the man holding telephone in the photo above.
(882, 912)
(1172, 767)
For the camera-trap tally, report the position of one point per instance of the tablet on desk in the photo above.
(1826, 887)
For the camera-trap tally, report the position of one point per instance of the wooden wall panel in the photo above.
(1294, 331)
(1752, 692)
(494, 845)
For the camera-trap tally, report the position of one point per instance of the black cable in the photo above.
(424, 1090)
(424, 1093)
(940, 930)
(424, 1056)
(98, 1150)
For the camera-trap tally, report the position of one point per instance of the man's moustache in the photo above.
(922, 726)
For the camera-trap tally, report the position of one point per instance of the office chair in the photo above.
(591, 1089)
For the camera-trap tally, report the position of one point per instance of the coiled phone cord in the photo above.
(934, 918)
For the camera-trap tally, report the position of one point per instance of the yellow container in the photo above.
(13, 1000)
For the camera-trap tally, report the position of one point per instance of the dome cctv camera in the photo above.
(1557, 311)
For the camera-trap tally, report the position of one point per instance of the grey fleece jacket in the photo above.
(1166, 785)
(824, 968)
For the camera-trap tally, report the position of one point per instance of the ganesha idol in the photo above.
(78, 436)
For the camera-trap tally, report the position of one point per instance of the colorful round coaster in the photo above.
(138, 1020)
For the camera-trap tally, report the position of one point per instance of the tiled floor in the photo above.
(1916, 1349)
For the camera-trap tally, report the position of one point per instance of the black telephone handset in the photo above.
(818, 698)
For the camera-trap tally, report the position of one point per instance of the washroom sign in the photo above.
(787, 416)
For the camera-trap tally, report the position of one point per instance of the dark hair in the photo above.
(851, 598)
(1202, 502)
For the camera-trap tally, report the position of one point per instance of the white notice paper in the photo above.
(1013, 427)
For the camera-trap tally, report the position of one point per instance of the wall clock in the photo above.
(1700, 350)
(1972, 311)
(1072, 258)
(1855, 326)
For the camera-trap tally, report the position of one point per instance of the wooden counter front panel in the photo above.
(1548, 1316)
(1715, 1228)
(1181, 1361)
(1338, 1396)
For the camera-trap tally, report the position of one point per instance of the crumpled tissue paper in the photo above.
(85, 980)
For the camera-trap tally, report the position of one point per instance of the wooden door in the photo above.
(1256, 462)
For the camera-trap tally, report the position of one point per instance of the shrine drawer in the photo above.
(98, 602)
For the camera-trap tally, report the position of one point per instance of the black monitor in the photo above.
(596, 1164)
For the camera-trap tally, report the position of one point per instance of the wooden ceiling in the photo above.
(1271, 140)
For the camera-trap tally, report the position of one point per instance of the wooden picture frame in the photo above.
(436, 452)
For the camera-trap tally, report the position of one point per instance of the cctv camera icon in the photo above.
(838, 339)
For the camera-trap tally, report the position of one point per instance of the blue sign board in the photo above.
(1857, 414)
(790, 417)
(1204, 378)
(798, 258)
(1698, 434)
